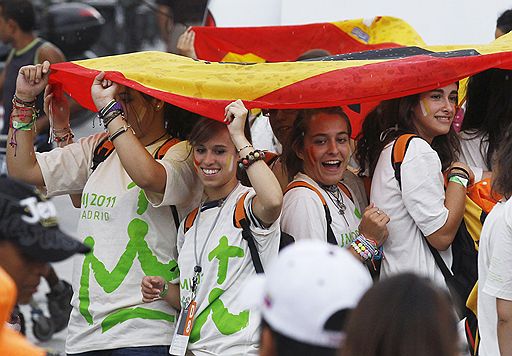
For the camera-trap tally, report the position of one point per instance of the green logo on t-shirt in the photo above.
(137, 247)
(223, 252)
(226, 322)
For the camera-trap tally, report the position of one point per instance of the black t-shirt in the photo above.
(186, 11)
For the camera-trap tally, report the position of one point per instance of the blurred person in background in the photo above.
(487, 117)
(175, 16)
(401, 316)
(503, 24)
(17, 24)
(495, 261)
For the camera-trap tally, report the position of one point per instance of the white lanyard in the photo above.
(197, 267)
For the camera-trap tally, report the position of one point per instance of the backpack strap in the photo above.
(102, 150)
(301, 184)
(190, 219)
(346, 190)
(240, 220)
(175, 216)
(398, 153)
(162, 150)
(271, 158)
(105, 148)
(397, 157)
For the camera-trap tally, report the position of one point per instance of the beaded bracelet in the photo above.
(366, 249)
(252, 157)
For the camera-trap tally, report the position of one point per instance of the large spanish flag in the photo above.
(287, 43)
(207, 87)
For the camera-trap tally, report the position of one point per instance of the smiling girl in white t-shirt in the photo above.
(420, 209)
(214, 259)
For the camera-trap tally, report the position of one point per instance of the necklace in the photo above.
(335, 195)
(158, 139)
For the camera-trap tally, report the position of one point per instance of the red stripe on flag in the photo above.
(276, 43)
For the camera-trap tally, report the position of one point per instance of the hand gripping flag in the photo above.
(287, 43)
(207, 87)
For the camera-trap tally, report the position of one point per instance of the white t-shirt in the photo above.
(225, 323)
(415, 211)
(303, 215)
(473, 152)
(262, 136)
(131, 239)
(494, 273)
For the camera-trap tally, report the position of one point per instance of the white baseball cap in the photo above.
(309, 282)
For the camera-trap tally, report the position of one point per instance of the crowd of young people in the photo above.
(176, 236)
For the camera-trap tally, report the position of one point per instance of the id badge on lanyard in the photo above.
(185, 321)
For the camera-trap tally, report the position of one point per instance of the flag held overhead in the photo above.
(207, 87)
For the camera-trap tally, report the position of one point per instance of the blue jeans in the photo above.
(129, 351)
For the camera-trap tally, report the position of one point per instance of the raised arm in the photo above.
(21, 159)
(47, 52)
(56, 107)
(269, 196)
(136, 160)
(185, 44)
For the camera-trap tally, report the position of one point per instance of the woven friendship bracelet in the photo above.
(63, 135)
(17, 102)
(22, 126)
(104, 110)
(111, 116)
(112, 106)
